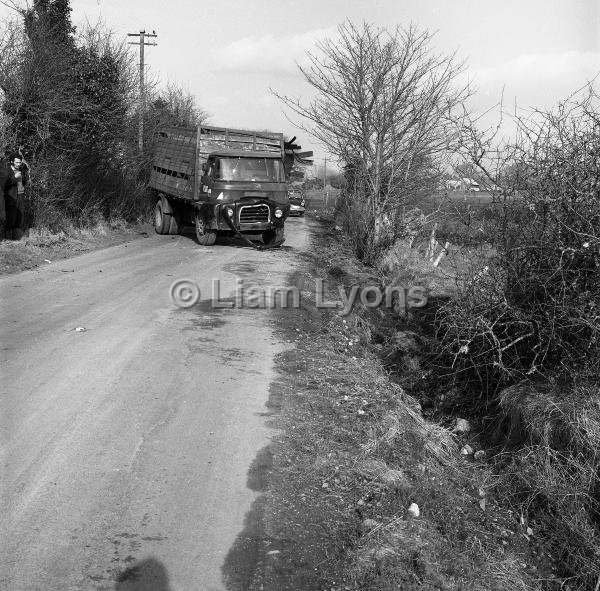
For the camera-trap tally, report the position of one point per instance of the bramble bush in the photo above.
(535, 311)
(522, 339)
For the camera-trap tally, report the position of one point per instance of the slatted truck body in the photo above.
(221, 181)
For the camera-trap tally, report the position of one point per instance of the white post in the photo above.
(432, 241)
(443, 252)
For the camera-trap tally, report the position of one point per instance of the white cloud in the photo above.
(539, 79)
(528, 81)
(268, 54)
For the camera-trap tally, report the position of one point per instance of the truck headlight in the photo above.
(278, 213)
(229, 211)
(302, 203)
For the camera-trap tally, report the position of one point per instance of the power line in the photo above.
(142, 35)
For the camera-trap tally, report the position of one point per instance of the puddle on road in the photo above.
(256, 293)
(231, 355)
(241, 268)
(205, 319)
(205, 316)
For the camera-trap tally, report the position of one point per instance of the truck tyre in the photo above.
(165, 219)
(171, 218)
(205, 236)
(162, 222)
(174, 225)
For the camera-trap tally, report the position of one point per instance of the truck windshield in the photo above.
(250, 169)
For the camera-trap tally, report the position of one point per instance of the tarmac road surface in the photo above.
(126, 446)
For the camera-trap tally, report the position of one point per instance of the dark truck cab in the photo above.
(249, 190)
(223, 181)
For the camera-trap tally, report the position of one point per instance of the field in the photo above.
(321, 200)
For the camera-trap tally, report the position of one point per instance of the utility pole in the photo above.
(142, 35)
(325, 194)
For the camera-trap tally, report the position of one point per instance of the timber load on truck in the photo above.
(223, 181)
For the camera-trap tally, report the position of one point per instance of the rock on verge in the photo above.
(414, 510)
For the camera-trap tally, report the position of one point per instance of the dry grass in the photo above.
(402, 264)
(554, 470)
(548, 437)
(41, 245)
(410, 554)
(355, 452)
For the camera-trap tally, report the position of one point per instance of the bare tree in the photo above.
(383, 107)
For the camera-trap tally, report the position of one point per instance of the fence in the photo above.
(321, 199)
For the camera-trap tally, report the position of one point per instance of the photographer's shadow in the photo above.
(146, 575)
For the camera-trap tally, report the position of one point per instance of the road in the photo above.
(127, 445)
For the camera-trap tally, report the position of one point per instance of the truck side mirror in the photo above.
(205, 167)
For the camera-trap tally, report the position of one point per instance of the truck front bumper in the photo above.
(251, 216)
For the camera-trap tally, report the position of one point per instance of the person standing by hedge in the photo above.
(5, 176)
(14, 196)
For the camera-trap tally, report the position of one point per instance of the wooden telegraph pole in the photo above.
(325, 194)
(142, 36)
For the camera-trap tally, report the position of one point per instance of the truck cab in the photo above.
(248, 191)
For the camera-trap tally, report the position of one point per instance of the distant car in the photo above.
(470, 185)
(297, 203)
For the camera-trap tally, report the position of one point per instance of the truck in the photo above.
(223, 182)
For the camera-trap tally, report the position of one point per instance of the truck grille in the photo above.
(253, 214)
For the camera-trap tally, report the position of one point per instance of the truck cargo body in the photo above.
(222, 181)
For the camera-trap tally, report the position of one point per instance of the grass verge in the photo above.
(41, 245)
(354, 453)
(541, 426)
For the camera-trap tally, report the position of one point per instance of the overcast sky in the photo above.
(229, 53)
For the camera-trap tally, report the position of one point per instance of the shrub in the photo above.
(536, 310)
(522, 339)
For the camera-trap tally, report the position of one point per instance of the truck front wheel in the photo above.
(205, 236)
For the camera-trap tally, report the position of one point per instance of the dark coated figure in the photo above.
(14, 195)
(5, 175)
